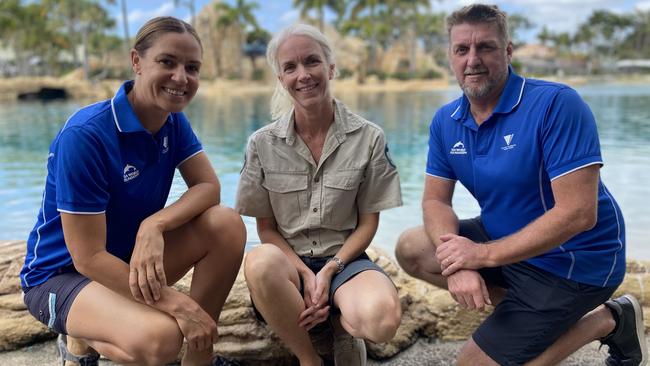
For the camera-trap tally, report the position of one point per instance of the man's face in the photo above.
(479, 58)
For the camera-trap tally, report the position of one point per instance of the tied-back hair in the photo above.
(158, 26)
(480, 14)
(281, 101)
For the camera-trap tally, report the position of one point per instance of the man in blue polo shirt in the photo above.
(548, 249)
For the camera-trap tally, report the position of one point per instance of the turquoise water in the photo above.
(223, 125)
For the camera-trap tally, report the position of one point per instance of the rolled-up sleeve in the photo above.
(380, 189)
(252, 198)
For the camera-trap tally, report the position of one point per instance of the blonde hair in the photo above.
(280, 101)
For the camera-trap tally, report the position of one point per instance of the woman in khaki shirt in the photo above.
(315, 180)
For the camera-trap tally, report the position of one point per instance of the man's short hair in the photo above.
(480, 13)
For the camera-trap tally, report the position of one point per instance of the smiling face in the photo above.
(479, 58)
(304, 71)
(167, 74)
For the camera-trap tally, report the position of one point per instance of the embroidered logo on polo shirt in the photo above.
(130, 172)
(458, 149)
(165, 145)
(509, 145)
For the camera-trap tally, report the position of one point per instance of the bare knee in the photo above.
(377, 321)
(261, 266)
(225, 224)
(159, 344)
(407, 250)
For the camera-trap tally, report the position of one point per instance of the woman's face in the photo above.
(304, 71)
(167, 75)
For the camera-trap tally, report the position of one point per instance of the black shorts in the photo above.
(356, 266)
(537, 309)
(50, 301)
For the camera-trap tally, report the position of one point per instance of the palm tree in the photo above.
(239, 17)
(125, 23)
(337, 6)
(370, 23)
(517, 22)
(190, 5)
(544, 35)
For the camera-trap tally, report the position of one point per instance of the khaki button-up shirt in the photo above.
(316, 205)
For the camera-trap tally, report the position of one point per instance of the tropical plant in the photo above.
(337, 6)
(190, 6)
(240, 17)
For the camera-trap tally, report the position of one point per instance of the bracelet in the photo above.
(339, 264)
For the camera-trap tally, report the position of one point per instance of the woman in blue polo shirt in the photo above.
(105, 248)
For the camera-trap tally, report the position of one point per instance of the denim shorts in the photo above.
(50, 301)
(536, 310)
(356, 266)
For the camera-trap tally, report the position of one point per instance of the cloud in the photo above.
(139, 15)
(643, 6)
(557, 15)
(290, 16)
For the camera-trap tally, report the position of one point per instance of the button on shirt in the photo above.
(316, 205)
(104, 161)
(538, 132)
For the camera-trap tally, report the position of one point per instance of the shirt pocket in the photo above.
(289, 198)
(340, 198)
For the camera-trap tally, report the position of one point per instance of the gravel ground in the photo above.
(423, 352)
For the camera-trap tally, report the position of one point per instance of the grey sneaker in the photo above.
(91, 359)
(349, 351)
(627, 346)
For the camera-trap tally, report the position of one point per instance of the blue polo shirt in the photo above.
(104, 161)
(539, 131)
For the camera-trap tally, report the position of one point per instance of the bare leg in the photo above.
(370, 307)
(416, 255)
(213, 243)
(122, 329)
(273, 282)
(129, 332)
(594, 325)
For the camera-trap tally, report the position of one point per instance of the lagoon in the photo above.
(223, 124)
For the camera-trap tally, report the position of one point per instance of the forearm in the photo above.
(439, 219)
(113, 273)
(192, 203)
(548, 231)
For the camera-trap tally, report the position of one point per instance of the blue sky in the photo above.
(557, 15)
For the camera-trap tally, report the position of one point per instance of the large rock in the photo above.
(427, 312)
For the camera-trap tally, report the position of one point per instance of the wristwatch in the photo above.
(339, 264)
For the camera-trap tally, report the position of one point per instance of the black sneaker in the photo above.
(627, 346)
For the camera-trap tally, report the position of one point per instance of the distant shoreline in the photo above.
(79, 89)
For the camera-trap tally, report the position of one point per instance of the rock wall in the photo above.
(427, 312)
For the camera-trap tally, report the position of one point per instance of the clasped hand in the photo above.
(457, 252)
(316, 296)
(147, 272)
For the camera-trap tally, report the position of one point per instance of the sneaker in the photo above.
(90, 359)
(349, 351)
(627, 346)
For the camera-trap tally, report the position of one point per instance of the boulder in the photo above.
(428, 312)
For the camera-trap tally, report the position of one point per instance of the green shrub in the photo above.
(258, 74)
(381, 75)
(345, 73)
(403, 75)
(430, 74)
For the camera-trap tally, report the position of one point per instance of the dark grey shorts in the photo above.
(537, 309)
(50, 301)
(358, 265)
